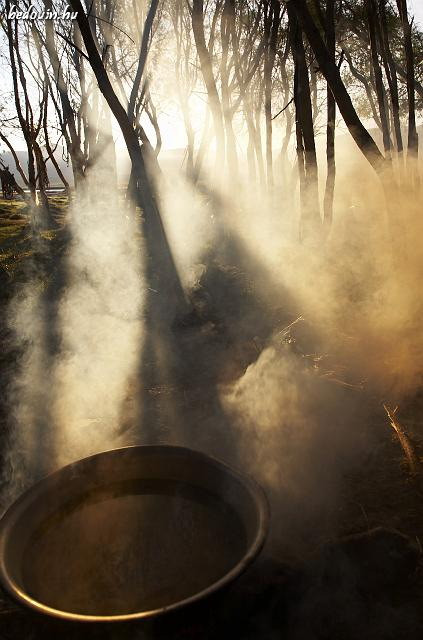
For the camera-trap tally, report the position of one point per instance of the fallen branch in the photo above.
(405, 442)
(285, 331)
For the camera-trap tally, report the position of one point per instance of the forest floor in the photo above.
(277, 597)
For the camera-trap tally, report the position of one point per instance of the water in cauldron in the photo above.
(132, 548)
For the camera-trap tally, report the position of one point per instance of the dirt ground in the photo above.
(369, 585)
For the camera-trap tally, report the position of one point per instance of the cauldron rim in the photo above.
(38, 489)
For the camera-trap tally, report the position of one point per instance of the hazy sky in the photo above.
(416, 8)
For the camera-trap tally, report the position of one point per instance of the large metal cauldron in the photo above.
(130, 533)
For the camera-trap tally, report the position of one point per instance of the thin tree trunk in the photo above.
(24, 123)
(108, 143)
(51, 155)
(391, 75)
(228, 17)
(331, 121)
(142, 59)
(300, 151)
(209, 81)
(287, 111)
(367, 87)
(201, 153)
(251, 159)
(177, 19)
(273, 29)
(413, 139)
(256, 114)
(68, 113)
(42, 179)
(310, 209)
(372, 17)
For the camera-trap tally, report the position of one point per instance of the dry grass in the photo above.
(15, 232)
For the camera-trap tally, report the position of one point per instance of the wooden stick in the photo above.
(405, 442)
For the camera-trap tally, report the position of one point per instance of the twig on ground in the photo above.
(285, 330)
(363, 511)
(405, 442)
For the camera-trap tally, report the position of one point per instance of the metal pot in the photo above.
(130, 533)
